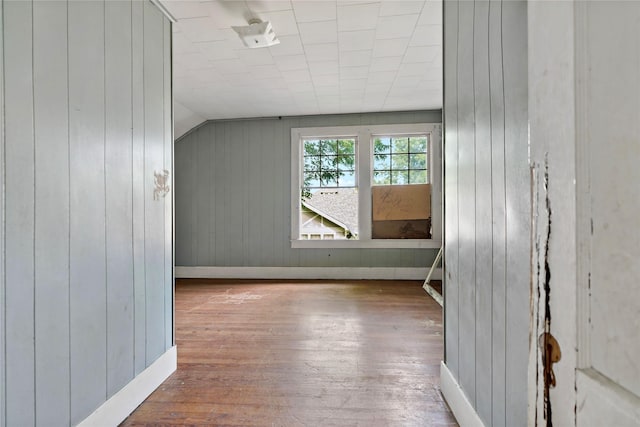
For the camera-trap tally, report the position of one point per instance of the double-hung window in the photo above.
(366, 186)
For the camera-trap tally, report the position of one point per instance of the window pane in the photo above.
(399, 177)
(346, 146)
(311, 146)
(346, 162)
(400, 145)
(331, 211)
(328, 179)
(347, 179)
(399, 161)
(418, 177)
(311, 163)
(329, 146)
(325, 160)
(311, 179)
(381, 162)
(418, 144)
(382, 145)
(329, 163)
(418, 161)
(382, 177)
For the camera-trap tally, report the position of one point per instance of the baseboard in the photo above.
(330, 273)
(457, 400)
(123, 403)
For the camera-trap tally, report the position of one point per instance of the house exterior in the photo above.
(330, 213)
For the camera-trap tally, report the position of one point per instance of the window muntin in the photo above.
(400, 160)
(329, 163)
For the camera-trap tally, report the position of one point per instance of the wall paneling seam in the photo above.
(106, 234)
(504, 171)
(173, 191)
(144, 187)
(133, 192)
(3, 354)
(458, 183)
(491, 189)
(35, 202)
(443, 180)
(475, 204)
(164, 200)
(69, 206)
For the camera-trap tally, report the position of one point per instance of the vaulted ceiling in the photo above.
(333, 57)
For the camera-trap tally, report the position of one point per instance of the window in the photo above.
(400, 160)
(329, 193)
(340, 175)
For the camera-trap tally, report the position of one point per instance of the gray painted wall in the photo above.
(87, 278)
(233, 196)
(487, 206)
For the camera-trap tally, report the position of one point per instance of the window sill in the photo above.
(377, 243)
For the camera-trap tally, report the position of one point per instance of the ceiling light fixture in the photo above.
(257, 34)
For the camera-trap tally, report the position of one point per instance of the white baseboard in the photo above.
(123, 403)
(457, 400)
(298, 273)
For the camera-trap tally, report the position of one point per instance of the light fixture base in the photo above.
(257, 34)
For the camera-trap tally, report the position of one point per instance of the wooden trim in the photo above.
(583, 189)
(2, 229)
(161, 7)
(173, 194)
(457, 400)
(328, 273)
(604, 396)
(296, 171)
(372, 243)
(120, 405)
(433, 294)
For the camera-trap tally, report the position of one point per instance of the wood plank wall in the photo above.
(2, 232)
(487, 206)
(233, 193)
(87, 288)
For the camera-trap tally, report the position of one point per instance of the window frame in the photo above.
(364, 136)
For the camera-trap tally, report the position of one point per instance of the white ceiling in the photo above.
(334, 57)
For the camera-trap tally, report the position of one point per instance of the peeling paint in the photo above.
(547, 350)
(550, 354)
(548, 343)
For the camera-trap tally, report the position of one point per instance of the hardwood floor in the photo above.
(302, 354)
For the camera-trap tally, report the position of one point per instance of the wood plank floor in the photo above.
(302, 354)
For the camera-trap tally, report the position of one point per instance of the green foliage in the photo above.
(400, 160)
(418, 144)
(331, 162)
(328, 163)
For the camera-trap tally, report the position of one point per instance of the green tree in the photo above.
(328, 163)
(400, 160)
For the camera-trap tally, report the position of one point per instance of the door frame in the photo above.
(560, 160)
(552, 139)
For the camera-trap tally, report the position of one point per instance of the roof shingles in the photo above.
(338, 203)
